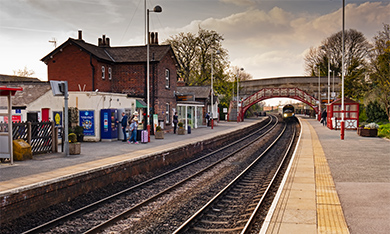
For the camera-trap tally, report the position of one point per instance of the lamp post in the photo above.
(319, 93)
(212, 89)
(342, 78)
(156, 9)
(327, 56)
(238, 95)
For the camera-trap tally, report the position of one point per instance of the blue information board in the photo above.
(87, 121)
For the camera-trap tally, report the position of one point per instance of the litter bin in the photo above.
(189, 130)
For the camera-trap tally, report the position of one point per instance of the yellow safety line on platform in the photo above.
(330, 216)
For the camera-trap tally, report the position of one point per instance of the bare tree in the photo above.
(24, 72)
(356, 47)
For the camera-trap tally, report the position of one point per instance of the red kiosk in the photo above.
(6, 150)
(351, 117)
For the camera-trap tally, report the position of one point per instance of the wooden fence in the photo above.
(40, 135)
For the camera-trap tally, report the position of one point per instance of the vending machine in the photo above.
(109, 125)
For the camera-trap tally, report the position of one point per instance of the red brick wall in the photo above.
(162, 94)
(73, 65)
(103, 85)
(130, 79)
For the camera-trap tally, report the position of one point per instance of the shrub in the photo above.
(72, 138)
(180, 124)
(384, 130)
(158, 129)
(79, 131)
(375, 112)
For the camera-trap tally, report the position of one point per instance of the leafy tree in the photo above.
(380, 70)
(197, 53)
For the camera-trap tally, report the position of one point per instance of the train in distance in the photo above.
(287, 112)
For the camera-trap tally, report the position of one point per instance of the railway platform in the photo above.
(333, 186)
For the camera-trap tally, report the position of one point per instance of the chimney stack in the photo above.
(153, 38)
(104, 42)
(80, 35)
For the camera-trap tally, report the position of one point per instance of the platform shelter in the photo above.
(351, 117)
(6, 150)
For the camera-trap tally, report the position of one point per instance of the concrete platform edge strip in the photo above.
(330, 216)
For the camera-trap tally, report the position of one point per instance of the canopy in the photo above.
(5, 91)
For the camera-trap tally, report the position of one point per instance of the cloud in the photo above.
(240, 2)
(275, 41)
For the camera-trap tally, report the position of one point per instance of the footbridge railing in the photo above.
(267, 93)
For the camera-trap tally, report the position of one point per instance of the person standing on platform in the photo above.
(323, 116)
(208, 119)
(133, 129)
(175, 121)
(124, 125)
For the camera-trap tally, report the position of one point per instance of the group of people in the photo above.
(133, 125)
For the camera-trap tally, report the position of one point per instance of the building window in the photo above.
(103, 72)
(167, 118)
(167, 78)
(109, 73)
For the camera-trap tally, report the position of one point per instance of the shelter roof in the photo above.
(197, 91)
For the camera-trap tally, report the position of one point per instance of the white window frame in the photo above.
(167, 78)
(109, 73)
(103, 73)
(167, 113)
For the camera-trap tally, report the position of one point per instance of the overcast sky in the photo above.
(267, 38)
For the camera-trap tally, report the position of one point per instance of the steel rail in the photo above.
(186, 224)
(256, 210)
(56, 221)
(127, 212)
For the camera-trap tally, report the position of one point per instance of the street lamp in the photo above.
(156, 9)
(327, 56)
(319, 94)
(342, 79)
(212, 88)
(238, 96)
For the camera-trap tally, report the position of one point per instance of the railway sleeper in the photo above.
(214, 222)
(221, 230)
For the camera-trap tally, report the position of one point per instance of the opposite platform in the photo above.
(95, 155)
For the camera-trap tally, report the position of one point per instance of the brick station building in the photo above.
(103, 68)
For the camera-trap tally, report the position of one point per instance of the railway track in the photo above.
(102, 214)
(237, 207)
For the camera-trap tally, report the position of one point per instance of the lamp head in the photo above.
(157, 9)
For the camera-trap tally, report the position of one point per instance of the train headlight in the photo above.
(284, 115)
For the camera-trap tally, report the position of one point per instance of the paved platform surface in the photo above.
(334, 186)
(47, 167)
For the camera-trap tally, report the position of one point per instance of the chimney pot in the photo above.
(80, 35)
